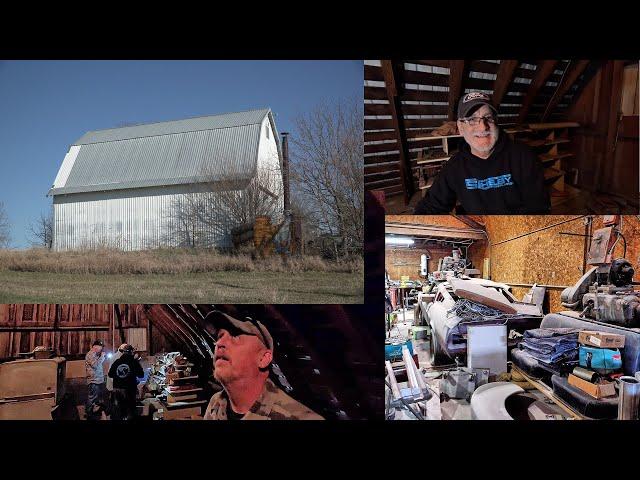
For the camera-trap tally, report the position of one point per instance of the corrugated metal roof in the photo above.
(220, 147)
(210, 122)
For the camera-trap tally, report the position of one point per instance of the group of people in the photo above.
(242, 360)
(121, 382)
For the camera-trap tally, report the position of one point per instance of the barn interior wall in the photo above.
(70, 330)
(548, 257)
(606, 145)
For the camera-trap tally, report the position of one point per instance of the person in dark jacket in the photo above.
(125, 371)
(491, 174)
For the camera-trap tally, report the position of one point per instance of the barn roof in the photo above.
(193, 150)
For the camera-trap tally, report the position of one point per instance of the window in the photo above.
(266, 130)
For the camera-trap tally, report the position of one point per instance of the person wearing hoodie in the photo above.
(125, 371)
(490, 174)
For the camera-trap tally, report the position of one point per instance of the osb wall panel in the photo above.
(444, 220)
(547, 257)
(477, 253)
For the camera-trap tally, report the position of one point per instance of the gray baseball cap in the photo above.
(247, 326)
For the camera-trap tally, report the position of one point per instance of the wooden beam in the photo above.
(544, 69)
(390, 73)
(456, 75)
(437, 231)
(503, 79)
(614, 116)
(575, 69)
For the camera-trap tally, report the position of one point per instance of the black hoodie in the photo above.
(510, 181)
(124, 372)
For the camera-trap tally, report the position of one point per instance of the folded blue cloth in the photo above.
(551, 346)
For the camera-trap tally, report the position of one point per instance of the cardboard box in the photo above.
(596, 390)
(601, 339)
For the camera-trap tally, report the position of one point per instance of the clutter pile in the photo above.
(600, 363)
(172, 386)
(447, 128)
(554, 348)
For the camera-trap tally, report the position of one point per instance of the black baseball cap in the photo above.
(98, 342)
(471, 101)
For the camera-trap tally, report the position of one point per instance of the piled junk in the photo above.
(172, 387)
(605, 293)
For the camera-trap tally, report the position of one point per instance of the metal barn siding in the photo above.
(132, 220)
(121, 188)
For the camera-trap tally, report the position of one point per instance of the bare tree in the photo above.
(203, 217)
(5, 231)
(327, 168)
(41, 231)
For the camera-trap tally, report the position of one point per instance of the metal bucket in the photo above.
(629, 398)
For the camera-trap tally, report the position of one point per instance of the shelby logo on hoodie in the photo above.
(488, 183)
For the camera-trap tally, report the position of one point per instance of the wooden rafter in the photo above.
(503, 79)
(574, 70)
(456, 76)
(390, 74)
(544, 69)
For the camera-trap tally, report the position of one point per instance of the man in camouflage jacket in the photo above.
(242, 358)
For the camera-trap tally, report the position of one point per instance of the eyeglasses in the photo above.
(474, 121)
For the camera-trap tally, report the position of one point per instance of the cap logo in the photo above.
(474, 95)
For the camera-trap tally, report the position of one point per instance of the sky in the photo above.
(45, 106)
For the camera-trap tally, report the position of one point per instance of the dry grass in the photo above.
(166, 261)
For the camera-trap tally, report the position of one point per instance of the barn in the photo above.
(125, 187)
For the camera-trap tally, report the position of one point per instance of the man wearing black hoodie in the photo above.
(125, 371)
(490, 174)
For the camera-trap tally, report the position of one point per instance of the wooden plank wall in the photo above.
(69, 329)
(547, 257)
(604, 163)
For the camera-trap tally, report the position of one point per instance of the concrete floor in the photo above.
(454, 409)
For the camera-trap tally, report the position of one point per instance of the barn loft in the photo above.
(579, 116)
(330, 364)
(472, 298)
(122, 187)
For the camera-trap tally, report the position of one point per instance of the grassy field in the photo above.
(211, 287)
(183, 277)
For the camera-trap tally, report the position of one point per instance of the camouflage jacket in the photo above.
(273, 404)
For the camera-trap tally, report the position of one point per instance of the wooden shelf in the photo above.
(517, 130)
(550, 173)
(184, 404)
(553, 126)
(547, 158)
(437, 138)
(181, 392)
(433, 160)
(544, 142)
(182, 379)
(428, 184)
